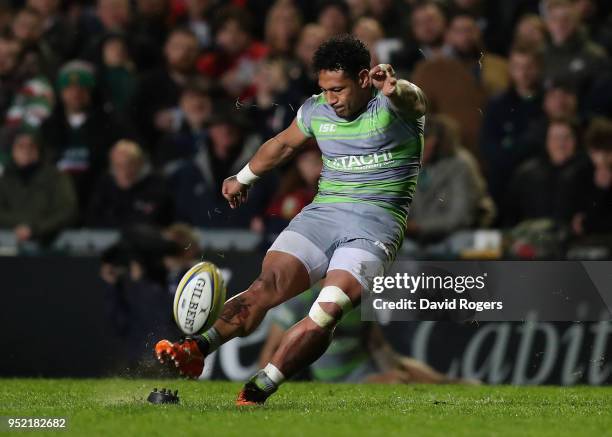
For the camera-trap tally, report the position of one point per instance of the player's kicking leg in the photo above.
(308, 339)
(282, 277)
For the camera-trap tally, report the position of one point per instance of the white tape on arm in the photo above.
(246, 176)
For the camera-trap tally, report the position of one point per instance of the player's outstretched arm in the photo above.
(272, 153)
(406, 97)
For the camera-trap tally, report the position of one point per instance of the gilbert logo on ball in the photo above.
(199, 298)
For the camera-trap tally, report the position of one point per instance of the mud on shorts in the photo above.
(359, 238)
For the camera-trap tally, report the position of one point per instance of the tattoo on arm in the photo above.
(409, 99)
(235, 311)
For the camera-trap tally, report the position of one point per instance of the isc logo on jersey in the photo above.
(199, 298)
(327, 127)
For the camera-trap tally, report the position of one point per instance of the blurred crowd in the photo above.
(117, 112)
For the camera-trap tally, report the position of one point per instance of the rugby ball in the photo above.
(199, 298)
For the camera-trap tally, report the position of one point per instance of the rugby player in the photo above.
(369, 127)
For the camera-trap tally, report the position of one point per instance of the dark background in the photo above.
(55, 323)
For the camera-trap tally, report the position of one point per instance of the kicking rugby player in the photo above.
(369, 127)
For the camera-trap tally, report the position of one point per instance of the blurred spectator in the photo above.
(334, 16)
(371, 33)
(130, 194)
(475, 8)
(57, 30)
(303, 75)
(507, 116)
(275, 104)
(79, 133)
(235, 61)
(569, 52)
(196, 106)
(32, 104)
(188, 253)
(447, 197)
(494, 19)
(594, 193)
(196, 184)
(144, 254)
(428, 23)
(452, 89)
(33, 101)
(389, 14)
(38, 57)
(283, 25)
(156, 100)
(147, 58)
(542, 187)
(117, 73)
(151, 24)
(112, 16)
(108, 17)
(464, 39)
(10, 77)
(358, 8)
(297, 188)
(446, 65)
(115, 18)
(198, 18)
(36, 201)
(560, 102)
(596, 16)
(531, 31)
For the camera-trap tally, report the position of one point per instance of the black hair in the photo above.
(341, 5)
(427, 3)
(342, 52)
(599, 134)
(232, 13)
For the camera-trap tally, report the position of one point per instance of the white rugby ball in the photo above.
(199, 298)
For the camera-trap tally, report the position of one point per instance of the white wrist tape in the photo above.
(246, 176)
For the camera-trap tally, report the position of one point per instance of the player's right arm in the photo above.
(271, 154)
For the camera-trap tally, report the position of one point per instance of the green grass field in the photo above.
(117, 407)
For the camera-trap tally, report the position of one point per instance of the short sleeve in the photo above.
(304, 116)
(385, 103)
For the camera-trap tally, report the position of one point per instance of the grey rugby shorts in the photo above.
(356, 237)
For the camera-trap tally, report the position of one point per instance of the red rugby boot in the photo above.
(185, 354)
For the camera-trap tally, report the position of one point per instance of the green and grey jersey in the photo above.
(372, 158)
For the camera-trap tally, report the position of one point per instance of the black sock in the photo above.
(209, 341)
